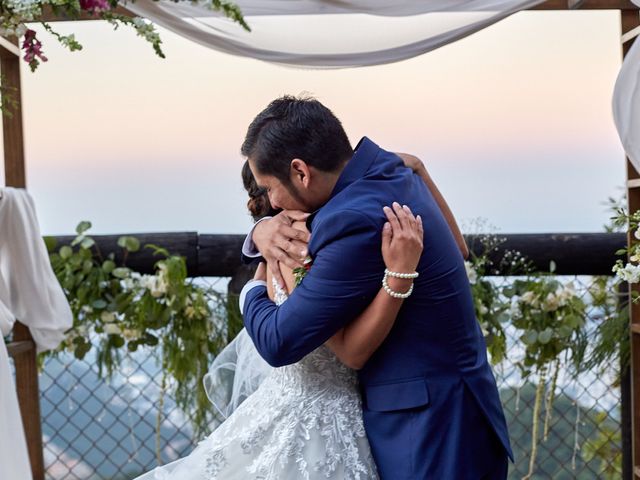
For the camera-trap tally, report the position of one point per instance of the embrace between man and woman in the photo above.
(372, 363)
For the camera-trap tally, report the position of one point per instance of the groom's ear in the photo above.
(300, 172)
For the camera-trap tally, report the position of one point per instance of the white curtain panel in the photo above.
(626, 103)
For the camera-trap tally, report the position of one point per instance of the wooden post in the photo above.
(630, 20)
(15, 176)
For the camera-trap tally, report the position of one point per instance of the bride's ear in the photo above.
(300, 172)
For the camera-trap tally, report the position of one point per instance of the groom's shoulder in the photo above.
(340, 222)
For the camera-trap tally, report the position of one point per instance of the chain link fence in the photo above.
(97, 429)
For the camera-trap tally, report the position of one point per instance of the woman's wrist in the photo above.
(399, 284)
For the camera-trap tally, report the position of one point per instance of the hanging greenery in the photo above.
(117, 310)
(16, 14)
(492, 311)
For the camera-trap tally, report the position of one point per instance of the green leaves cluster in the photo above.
(117, 310)
(550, 317)
(491, 306)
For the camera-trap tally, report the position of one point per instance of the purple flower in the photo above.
(32, 49)
(95, 6)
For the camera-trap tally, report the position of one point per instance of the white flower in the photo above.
(157, 286)
(112, 329)
(629, 273)
(108, 317)
(128, 284)
(550, 303)
(471, 273)
(131, 333)
(483, 310)
(529, 297)
(637, 234)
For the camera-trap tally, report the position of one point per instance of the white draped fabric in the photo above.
(330, 34)
(30, 292)
(355, 33)
(14, 457)
(626, 103)
(28, 287)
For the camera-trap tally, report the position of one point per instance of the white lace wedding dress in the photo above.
(304, 421)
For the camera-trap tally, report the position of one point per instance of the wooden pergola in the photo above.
(22, 348)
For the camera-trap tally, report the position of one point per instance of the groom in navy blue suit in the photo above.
(430, 402)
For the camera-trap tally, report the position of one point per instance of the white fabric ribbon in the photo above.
(362, 32)
(29, 289)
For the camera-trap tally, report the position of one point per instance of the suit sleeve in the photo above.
(343, 279)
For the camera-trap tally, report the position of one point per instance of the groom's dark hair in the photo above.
(296, 127)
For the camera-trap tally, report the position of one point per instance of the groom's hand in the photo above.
(278, 242)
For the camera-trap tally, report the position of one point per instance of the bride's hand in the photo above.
(402, 238)
(413, 162)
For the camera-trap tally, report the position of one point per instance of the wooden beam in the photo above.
(25, 361)
(587, 5)
(630, 35)
(14, 166)
(630, 21)
(219, 255)
(8, 49)
(15, 348)
(49, 16)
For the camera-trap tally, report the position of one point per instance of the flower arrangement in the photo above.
(491, 307)
(117, 310)
(548, 316)
(629, 271)
(16, 14)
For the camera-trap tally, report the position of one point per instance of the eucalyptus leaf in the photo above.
(121, 272)
(131, 244)
(529, 337)
(83, 227)
(65, 252)
(99, 304)
(108, 266)
(87, 243)
(545, 336)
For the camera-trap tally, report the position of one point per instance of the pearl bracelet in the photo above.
(389, 273)
(392, 293)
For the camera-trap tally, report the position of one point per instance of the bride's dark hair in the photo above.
(258, 203)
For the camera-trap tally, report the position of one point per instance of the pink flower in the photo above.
(33, 49)
(95, 6)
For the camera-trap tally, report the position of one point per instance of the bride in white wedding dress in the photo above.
(304, 421)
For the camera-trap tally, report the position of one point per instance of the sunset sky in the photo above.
(514, 124)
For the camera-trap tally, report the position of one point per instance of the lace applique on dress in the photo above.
(303, 422)
(279, 293)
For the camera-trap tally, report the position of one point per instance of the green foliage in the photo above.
(491, 307)
(185, 324)
(605, 447)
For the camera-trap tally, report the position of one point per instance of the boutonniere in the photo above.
(300, 272)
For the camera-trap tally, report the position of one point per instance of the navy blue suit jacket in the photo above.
(430, 402)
